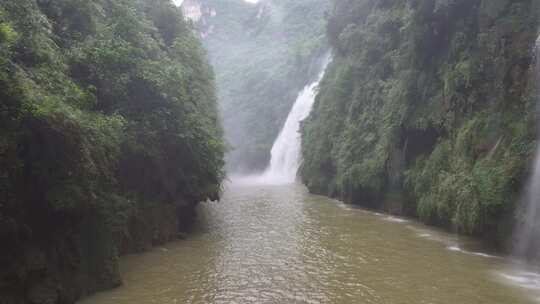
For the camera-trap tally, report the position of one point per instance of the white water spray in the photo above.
(285, 154)
(528, 231)
(285, 159)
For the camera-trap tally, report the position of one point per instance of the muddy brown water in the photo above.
(279, 244)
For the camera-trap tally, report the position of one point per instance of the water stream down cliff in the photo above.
(528, 230)
(285, 160)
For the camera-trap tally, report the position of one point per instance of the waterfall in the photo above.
(285, 154)
(286, 151)
(528, 230)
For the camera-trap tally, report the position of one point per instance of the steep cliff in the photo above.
(109, 136)
(427, 110)
(263, 55)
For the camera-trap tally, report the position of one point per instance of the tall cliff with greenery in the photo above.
(263, 55)
(109, 136)
(428, 109)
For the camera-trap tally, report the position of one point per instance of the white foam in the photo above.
(395, 219)
(476, 253)
(528, 280)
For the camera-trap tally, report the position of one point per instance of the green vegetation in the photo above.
(427, 110)
(109, 136)
(263, 55)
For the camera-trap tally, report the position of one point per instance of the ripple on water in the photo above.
(278, 244)
(528, 281)
(395, 219)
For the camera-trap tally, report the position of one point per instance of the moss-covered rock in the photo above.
(109, 137)
(429, 104)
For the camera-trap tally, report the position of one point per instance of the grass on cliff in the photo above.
(105, 107)
(433, 100)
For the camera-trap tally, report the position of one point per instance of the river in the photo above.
(279, 244)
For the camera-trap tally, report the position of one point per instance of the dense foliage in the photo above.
(427, 109)
(263, 54)
(107, 109)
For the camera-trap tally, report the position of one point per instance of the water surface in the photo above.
(278, 244)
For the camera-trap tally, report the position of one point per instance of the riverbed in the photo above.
(279, 244)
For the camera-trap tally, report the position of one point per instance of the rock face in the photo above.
(427, 110)
(109, 137)
(62, 266)
(192, 10)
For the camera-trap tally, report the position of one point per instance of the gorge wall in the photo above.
(428, 110)
(109, 136)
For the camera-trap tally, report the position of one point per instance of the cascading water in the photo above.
(285, 154)
(528, 231)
